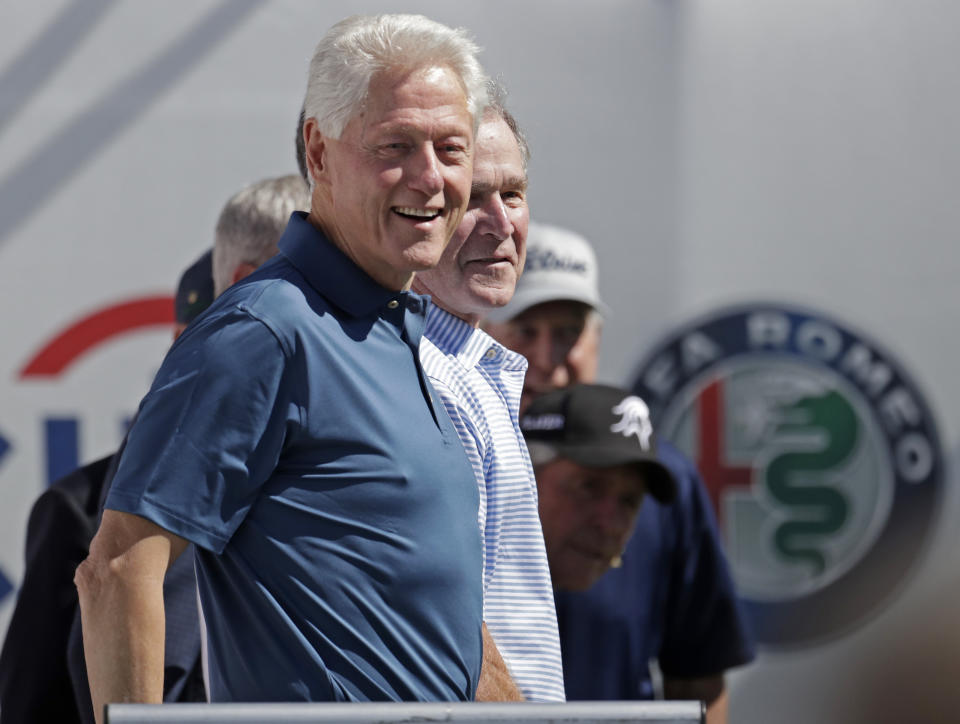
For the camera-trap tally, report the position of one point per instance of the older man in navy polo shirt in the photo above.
(291, 433)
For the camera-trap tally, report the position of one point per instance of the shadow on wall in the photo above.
(917, 677)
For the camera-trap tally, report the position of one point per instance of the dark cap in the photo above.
(195, 289)
(599, 426)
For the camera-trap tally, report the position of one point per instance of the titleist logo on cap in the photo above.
(549, 260)
(550, 421)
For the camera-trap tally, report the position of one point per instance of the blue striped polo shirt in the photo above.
(479, 382)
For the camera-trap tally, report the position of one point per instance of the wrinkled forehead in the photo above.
(423, 87)
(498, 159)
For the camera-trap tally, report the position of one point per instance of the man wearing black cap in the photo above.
(673, 601)
(248, 229)
(36, 680)
(595, 458)
(194, 292)
(42, 671)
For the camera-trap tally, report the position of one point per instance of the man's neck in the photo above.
(386, 278)
(420, 288)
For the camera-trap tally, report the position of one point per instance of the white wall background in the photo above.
(714, 152)
(818, 162)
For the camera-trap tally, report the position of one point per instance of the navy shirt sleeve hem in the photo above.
(167, 520)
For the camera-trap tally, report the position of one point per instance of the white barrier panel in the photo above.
(584, 712)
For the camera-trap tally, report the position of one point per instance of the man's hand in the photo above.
(495, 683)
(710, 689)
(120, 586)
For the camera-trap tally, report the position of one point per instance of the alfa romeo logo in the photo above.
(819, 454)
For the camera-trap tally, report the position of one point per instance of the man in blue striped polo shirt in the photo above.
(480, 382)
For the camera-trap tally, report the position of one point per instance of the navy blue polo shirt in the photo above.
(292, 435)
(672, 600)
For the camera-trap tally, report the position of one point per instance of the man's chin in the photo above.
(486, 297)
(423, 255)
(582, 572)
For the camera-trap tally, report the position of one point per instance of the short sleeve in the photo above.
(210, 431)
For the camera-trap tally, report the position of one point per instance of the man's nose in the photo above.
(424, 171)
(494, 218)
(612, 517)
(559, 375)
(544, 363)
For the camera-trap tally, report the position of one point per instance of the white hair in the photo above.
(494, 109)
(359, 47)
(251, 223)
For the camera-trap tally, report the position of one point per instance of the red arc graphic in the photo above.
(95, 329)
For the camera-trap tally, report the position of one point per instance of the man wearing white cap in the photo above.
(672, 598)
(555, 316)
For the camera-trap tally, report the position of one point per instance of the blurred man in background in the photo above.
(555, 316)
(251, 224)
(42, 672)
(36, 682)
(194, 292)
(672, 600)
(595, 458)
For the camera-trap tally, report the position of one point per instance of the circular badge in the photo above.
(820, 456)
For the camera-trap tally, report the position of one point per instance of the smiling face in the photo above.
(480, 267)
(393, 188)
(587, 516)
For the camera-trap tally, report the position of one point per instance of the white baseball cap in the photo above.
(561, 265)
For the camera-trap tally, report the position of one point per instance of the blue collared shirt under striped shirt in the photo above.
(480, 382)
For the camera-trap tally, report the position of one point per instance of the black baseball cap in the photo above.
(195, 289)
(599, 426)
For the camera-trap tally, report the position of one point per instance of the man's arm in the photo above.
(120, 586)
(710, 689)
(495, 683)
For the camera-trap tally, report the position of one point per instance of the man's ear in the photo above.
(315, 149)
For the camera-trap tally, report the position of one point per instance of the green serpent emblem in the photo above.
(792, 478)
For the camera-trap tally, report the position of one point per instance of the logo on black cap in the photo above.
(595, 426)
(635, 420)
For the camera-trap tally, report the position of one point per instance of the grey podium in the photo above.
(583, 712)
